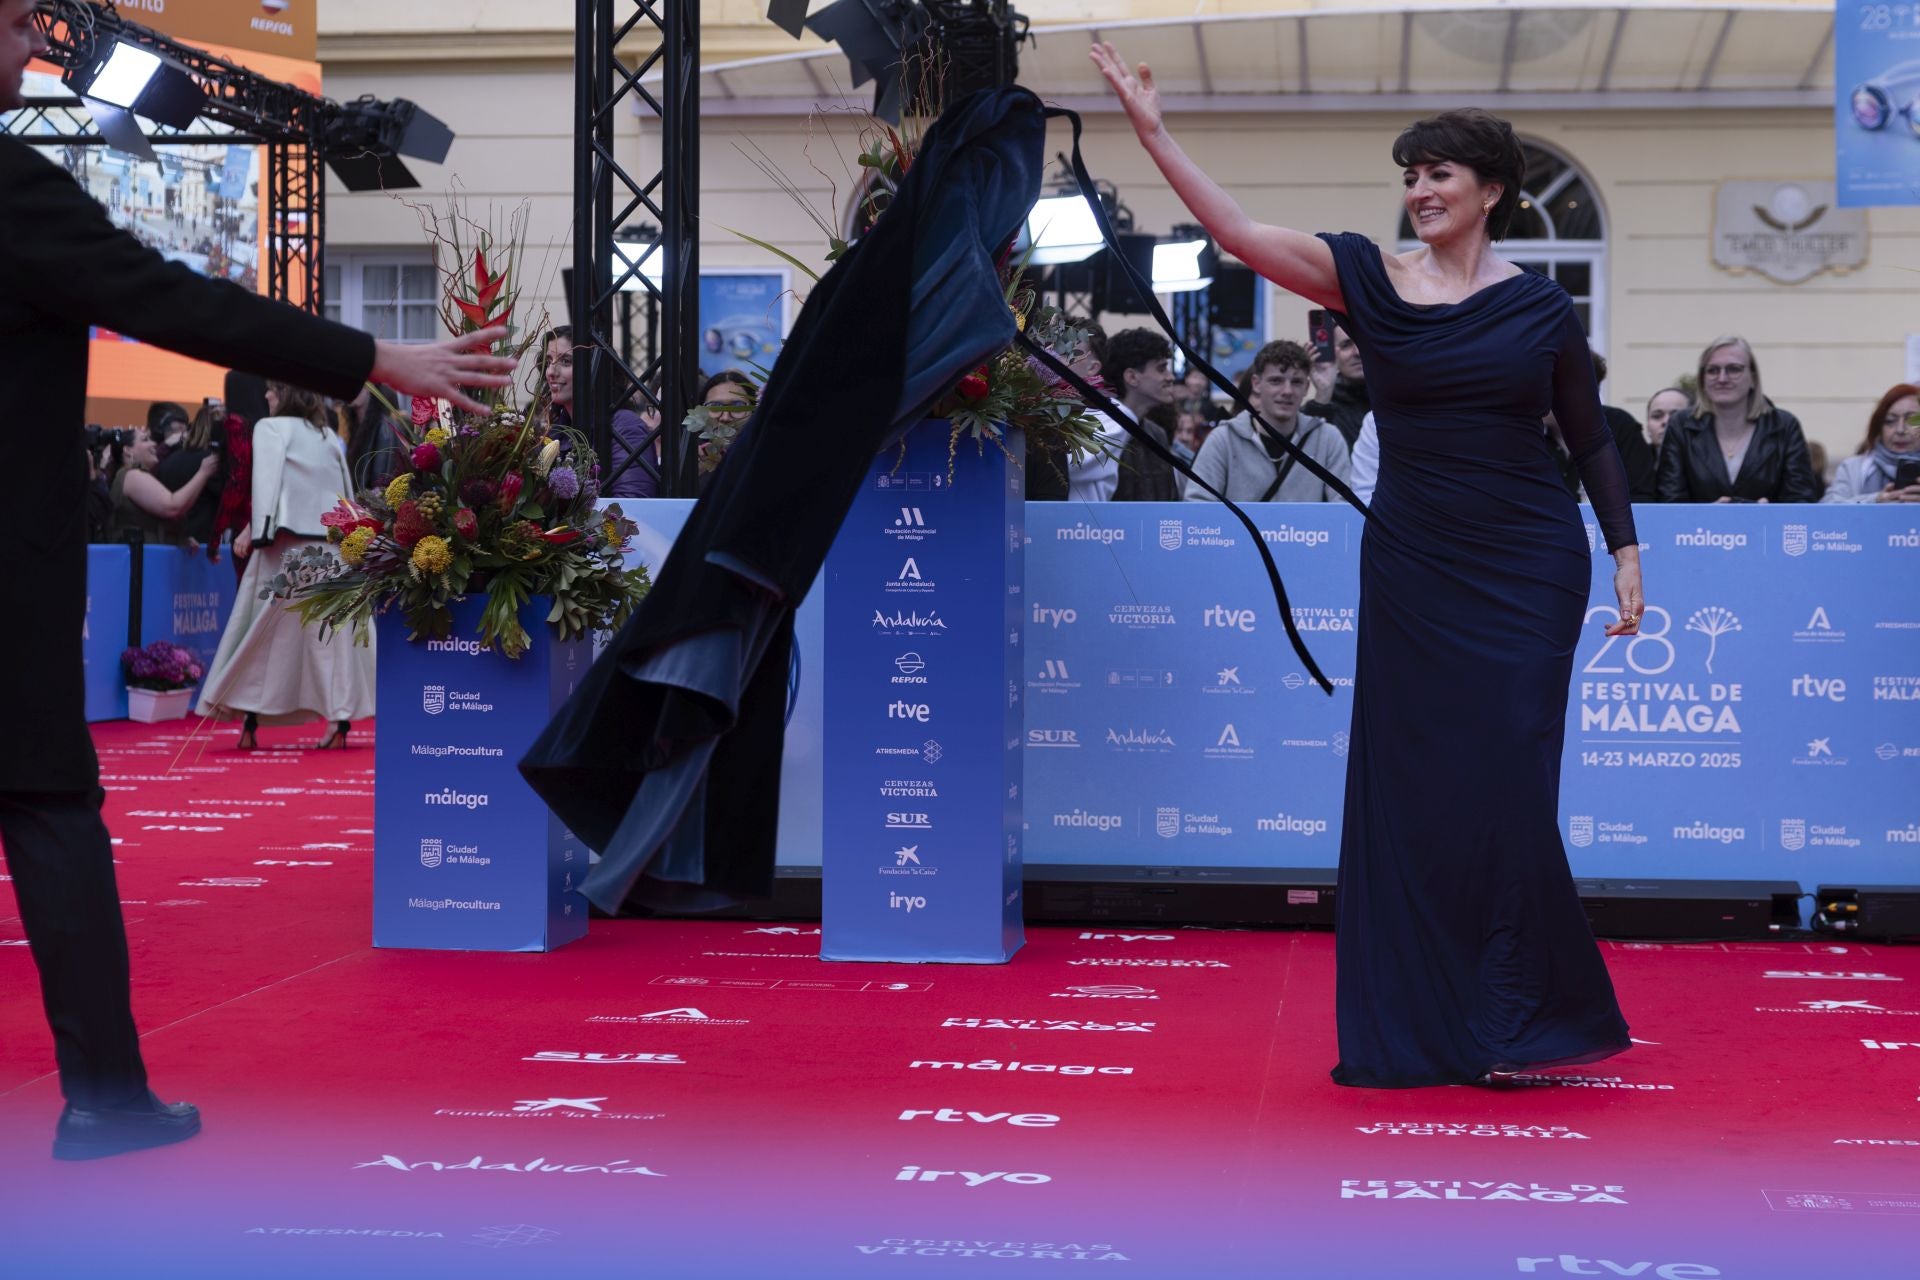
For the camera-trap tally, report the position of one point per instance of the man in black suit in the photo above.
(64, 266)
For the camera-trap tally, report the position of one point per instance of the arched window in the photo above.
(1559, 231)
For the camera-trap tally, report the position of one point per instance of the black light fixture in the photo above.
(130, 78)
(365, 138)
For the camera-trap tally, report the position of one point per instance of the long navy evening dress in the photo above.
(1461, 942)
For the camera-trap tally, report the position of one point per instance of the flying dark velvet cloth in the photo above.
(666, 758)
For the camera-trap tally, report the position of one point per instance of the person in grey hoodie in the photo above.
(1241, 459)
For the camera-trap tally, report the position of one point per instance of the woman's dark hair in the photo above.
(298, 402)
(1896, 393)
(211, 417)
(733, 376)
(1481, 141)
(246, 396)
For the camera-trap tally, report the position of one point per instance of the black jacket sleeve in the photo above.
(1670, 475)
(58, 248)
(1635, 453)
(1796, 467)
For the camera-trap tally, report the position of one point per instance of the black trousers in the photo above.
(61, 860)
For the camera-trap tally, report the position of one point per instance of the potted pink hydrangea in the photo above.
(160, 681)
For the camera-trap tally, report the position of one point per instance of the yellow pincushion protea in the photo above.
(353, 548)
(432, 555)
(399, 490)
(438, 437)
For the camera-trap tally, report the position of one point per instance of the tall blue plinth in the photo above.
(465, 857)
(921, 822)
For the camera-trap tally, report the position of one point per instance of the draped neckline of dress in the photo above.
(1380, 263)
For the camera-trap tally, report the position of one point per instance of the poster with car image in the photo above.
(1876, 79)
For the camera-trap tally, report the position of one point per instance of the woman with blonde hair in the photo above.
(271, 668)
(1889, 454)
(1733, 444)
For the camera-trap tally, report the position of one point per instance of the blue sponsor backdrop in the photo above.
(1167, 723)
(465, 857)
(184, 598)
(923, 715)
(1876, 82)
(1766, 723)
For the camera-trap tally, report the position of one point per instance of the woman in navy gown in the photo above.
(1464, 955)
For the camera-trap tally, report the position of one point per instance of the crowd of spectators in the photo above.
(1714, 436)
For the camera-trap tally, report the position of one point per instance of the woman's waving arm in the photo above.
(1294, 260)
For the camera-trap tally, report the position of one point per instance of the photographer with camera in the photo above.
(144, 506)
(185, 460)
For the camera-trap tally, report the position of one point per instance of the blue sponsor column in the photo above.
(465, 857)
(104, 636)
(922, 812)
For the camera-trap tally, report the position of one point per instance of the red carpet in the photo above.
(708, 1100)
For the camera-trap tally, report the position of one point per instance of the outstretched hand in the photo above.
(1137, 93)
(443, 369)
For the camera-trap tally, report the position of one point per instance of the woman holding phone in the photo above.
(1887, 466)
(1464, 955)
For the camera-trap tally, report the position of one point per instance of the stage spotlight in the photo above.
(641, 245)
(1060, 229)
(141, 81)
(365, 140)
(1177, 266)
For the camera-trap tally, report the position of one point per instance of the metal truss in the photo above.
(242, 107)
(654, 219)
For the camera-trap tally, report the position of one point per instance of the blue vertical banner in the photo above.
(104, 635)
(465, 857)
(1876, 84)
(922, 813)
(742, 319)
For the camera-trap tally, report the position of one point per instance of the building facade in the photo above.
(1639, 116)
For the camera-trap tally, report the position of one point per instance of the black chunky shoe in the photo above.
(89, 1134)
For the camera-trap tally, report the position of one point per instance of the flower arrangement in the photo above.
(1011, 390)
(162, 667)
(499, 503)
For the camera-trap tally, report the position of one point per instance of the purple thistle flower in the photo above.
(564, 482)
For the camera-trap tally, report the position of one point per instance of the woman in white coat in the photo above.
(271, 668)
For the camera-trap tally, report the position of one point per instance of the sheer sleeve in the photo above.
(1576, 406)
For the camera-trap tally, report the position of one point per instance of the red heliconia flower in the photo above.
(466, 524)
(426, 456)
(426, 410)
(409, 526)
(562, 536)
(510, 486)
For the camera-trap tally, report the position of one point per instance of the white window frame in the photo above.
(349, 307)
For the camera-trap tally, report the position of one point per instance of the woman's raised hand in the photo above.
(1137, 93)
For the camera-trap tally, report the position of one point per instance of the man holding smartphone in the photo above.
(1339, 377)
